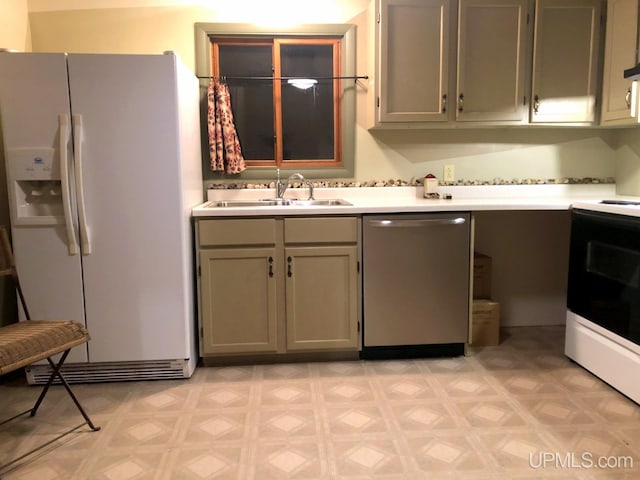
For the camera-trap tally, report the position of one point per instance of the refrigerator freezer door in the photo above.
(33, 93)
(50, 277)
(136, 284)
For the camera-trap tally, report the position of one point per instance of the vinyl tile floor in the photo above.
(520, 410)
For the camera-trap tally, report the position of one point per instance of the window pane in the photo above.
(252, 100)
(307, 115)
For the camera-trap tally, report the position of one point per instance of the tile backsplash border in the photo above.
(416, 182)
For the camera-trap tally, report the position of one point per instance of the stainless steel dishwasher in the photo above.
(416, 284)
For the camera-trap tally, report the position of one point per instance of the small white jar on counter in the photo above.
(430, 186)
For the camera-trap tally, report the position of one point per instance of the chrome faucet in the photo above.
(281, 186)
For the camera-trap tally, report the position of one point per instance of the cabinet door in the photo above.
(414, 60)
(492, 47)
(619, 54)
(565, 61)
(238, 300)
(321, 298)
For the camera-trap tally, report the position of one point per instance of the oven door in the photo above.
(604, 271)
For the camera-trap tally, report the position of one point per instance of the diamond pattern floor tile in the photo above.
(485, 416)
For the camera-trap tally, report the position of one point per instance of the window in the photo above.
(280, 123)
(293, 120)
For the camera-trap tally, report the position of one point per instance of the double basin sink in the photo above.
(281, 202)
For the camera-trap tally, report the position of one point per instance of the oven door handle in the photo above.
(607, 220)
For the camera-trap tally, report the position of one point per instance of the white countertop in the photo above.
(410, 199)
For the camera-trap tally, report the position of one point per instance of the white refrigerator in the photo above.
(103, 167)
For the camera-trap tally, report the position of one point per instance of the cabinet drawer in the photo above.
(321, 230)
(237, 232)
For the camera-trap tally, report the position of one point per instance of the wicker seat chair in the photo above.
(30, 341)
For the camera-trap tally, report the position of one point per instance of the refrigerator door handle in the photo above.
(85, 243)
(63, 124)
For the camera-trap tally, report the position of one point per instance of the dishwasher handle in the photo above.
(416, 222)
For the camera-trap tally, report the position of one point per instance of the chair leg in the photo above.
(54, 373)
(57, 373)
(32, 411)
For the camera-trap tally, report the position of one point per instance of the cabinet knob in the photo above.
(461, 102)
(627, 98)
(536, 103)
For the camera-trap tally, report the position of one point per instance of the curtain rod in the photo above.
(225, 77)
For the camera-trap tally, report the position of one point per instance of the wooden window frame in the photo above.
(346, 93)
(276, 42)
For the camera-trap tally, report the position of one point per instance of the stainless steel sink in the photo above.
(283, 202)
(324, 202)
(252, 203)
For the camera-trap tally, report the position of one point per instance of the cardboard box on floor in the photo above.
(485, 323)
(481, 275)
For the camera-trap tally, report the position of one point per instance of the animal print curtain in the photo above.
(224, 146)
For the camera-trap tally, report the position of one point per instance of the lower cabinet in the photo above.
(321, 298)
(238, 300)
(278, 285)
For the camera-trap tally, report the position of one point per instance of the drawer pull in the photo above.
(289, 271)
(270, 266)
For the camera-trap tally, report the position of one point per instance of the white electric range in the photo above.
(603, 299)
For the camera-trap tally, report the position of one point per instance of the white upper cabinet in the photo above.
(565, 61)
(619, 93)
(493, 39)
(413, 49)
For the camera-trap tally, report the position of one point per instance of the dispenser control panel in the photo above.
(33, 164)
(35, 189)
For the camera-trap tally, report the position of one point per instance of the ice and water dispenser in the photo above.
(35, 188)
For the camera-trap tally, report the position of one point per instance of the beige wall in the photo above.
(628, 162)
(529, 252)
(477, 154)
(14, 25)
